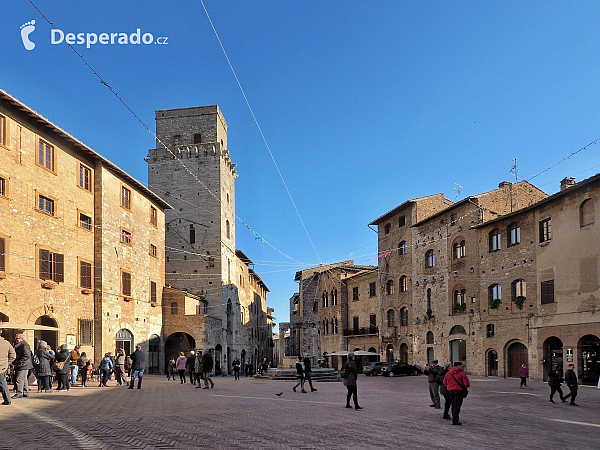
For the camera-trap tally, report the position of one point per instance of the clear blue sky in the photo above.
(364, 104)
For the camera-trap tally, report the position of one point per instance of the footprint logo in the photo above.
(26, 30)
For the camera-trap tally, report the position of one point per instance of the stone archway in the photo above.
(516, 355)
(491, 366)
(553, 355)
(389, 353)
(51, 337)
(589, 359)
(175, 343)
(153, 354)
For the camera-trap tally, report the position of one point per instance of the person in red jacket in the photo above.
(456, 382)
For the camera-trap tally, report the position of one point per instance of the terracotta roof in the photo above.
(399, 208)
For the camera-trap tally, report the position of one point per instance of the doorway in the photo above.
(458, 351)
(218, 351)
(51, 337)
(124, 340)
(492, 363)
(153, 354)
(516, 355)
(589, 359)
(389, 353)
(553, 354)
(430, 356)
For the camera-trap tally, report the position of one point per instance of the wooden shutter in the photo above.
(59, 268)
(44, 263)
(85, 275)
(2, 256)
(153, 292)
(126, 282)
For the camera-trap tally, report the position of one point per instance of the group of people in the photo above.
(62, 366)
(303, 373)
(198, 366)
(452, 382)
(555, 381)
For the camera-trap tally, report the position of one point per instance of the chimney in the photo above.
(504, 185)
(566, 183)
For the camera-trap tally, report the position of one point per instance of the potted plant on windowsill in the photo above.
(459, 308)
(48, 284)
(519, 301)
(87, 291)
(495, 304)
(127, 298)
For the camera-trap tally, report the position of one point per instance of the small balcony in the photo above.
(362, 331)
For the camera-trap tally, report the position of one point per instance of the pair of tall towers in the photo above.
(190, 169)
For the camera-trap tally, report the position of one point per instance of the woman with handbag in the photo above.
(61, 367)
(456, 382)
(42, 369)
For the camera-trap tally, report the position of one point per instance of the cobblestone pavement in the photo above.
(248, 414)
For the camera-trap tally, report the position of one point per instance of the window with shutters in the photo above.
(85, 275)
(125, 198)
(45, 157)
(495, 239)
(3, 133)
(153, 251)
(3, 245)
(153, 298)
(372, 289)
(401, 221)
(355, 294)
(86, 331)
(51, 266)
(46, 205)
(85, 178)
(430, 259)
(586, 213)
(545, 230)
(3, 187)
(403, 283)
(547, 292)
(153, 216)
(402, 248)
(126, 237)
(404, 317)
(126, 283)
(514, 234)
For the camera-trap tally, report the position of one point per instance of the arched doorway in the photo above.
(553, 354)
(124, 340)
(516, 354)
(153, 353)
(589, 359)
(404, 353)
(458, 351)
(243, 361)
(373, 358)
(51, 337)
(175, 343)
(218, 351)
(492, 363)
(389, 353)
(430, 355)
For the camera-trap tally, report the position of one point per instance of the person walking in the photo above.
(308, 372)
(23, 363)
(350, 377)
(106, 365)
(43, 369)
(571, 380)
(456, 382)
(190, 364)
(554, 381)
(236, 368)
(207, 367)
(171, 369)
(62, 374)
(434, 388)
(444, 391)
(74, 366)
(138, 365)
(524, 374)
(181, 365)
(120, 367)
(7, 356)
(83, 362)
(198, 370)
(299, 375)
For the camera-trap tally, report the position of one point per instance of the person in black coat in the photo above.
(138, 365)
(23, 364)
(207, 367)
(43, 370)
(63, 374)
(350, 377)
(571, 380)
(554, 381)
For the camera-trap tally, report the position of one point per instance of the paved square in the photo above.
(248, 414)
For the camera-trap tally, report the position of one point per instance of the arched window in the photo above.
(494, 293)
(192, 235)
(402, 248)
(316, 306)
(197, 138)
(428, 299)
(459, 250)
(490, 330)
(518, 289)
(514, 234)
(403, 283)
(495, 240)
(390, 318)
(429, 337)
(404, 317)
(387, 228)
(333, 327)
(324, 329)
(389, 287)
(457, 329)
(430, 259)
(174, 308)
(460, 297)
(228, 229)
(586, 212)
(229, 315)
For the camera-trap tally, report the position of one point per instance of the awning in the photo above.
(26, 326)
(340, 353)
(356, 353)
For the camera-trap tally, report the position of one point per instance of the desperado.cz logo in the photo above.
(58, 37)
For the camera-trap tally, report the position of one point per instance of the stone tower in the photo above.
(196, 176)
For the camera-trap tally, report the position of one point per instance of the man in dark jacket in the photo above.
(207, 367)
(571, 380)
(434, 388)
(7, 356)
(63, 356)
(23, 363)
(554, 381)
(191, 361)
(350, 376)
(138, 365)
(307, 372)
